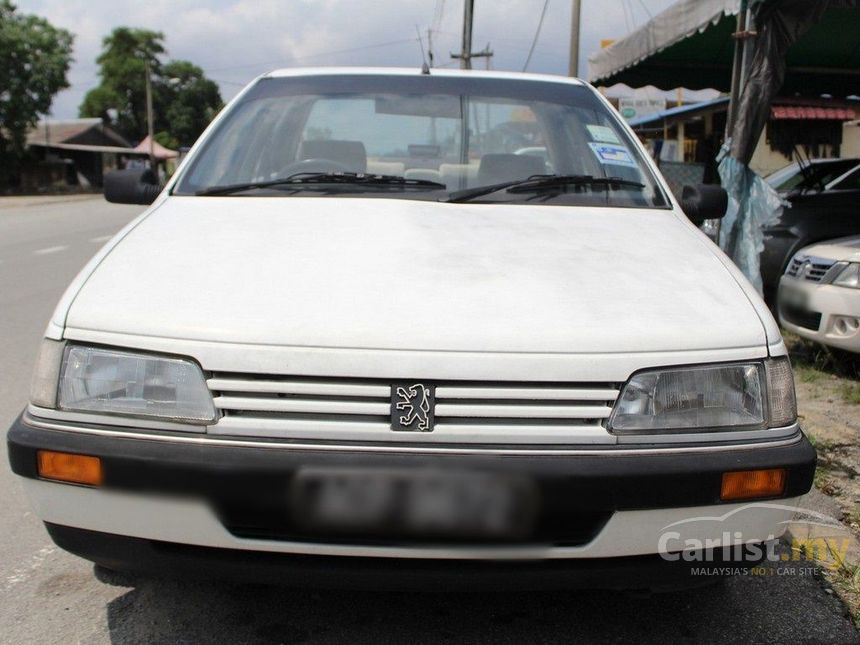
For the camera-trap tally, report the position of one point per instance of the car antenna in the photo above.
(425, 66)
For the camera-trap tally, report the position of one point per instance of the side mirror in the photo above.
(704, 201)
(133, 186)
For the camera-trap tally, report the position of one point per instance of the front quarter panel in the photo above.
(57, 323)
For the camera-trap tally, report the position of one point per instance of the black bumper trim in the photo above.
(597, 482)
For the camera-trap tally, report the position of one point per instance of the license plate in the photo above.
(793, 297)
(418, 504)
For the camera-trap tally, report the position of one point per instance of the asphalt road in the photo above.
(48, 596)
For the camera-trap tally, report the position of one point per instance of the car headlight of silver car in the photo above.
(755, 394)
(109, 381)
(847, 274)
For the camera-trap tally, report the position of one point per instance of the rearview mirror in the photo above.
(704, 201)
(133, 186)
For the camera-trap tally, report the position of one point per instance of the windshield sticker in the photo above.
(612, 155)
(603, 134)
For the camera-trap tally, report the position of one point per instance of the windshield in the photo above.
(815, 176)
(452, 133)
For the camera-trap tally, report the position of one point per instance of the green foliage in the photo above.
(34, 59)
(122, 64)
(189, 99)
(851, 393)
(184, 100)
(166, 139)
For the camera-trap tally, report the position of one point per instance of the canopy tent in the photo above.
(802, 47)
(158, 151)
(691, 45)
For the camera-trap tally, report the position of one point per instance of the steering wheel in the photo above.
(312, 165)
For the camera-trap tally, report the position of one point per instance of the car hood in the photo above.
(844, 249)
(407, 274)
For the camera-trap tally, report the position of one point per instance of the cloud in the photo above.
(235, 40)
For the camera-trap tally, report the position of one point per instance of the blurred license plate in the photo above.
(415, 504)
(793, 297)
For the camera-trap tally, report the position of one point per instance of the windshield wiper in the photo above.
(540, 183)
(315, 179)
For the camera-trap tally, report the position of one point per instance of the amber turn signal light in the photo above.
(751, 484)
(66, 467)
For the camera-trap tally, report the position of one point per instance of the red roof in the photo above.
(812, 112)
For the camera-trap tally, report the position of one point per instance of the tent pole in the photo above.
(737, 65)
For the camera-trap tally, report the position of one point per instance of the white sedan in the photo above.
(356, 337)
(819, 294)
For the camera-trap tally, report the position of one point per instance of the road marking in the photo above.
(50, 249)
(100, 239)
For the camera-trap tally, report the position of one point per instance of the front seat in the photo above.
(497, 168)
(350, 154)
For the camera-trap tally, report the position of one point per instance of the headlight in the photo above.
(108, 381)
(716, 397)
(849, 276)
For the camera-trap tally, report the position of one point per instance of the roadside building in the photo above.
(74, 152)
(692, 44)
(816, 128)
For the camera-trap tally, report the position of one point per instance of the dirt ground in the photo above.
(828, 401)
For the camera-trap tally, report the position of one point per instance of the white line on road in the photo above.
(100, 239)
(50, 249)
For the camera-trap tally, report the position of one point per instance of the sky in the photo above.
(236, 40)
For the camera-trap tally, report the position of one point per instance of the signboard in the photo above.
(631, 108)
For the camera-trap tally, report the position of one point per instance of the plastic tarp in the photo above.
(752, 202)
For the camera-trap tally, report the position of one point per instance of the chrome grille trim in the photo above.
(295, 407)
(298, 387)
(808, 267)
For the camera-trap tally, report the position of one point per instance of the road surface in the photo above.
(48, 596)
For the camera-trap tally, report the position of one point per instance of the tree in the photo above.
(34, 60)
(122, 64)
(189, 101)
(184, 100)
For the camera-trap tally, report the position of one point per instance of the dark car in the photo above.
(825, 203)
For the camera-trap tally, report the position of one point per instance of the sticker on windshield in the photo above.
(611, 154)
(603, 134)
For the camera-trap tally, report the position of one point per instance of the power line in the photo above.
(645, 7)
(625, 7)
(537, 35)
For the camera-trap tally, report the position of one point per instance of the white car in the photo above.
(819, 294)
(355, 338)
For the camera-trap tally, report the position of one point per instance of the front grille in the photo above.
(807, 267)
(800, 317)
(360, 409)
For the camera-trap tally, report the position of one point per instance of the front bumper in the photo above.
(819, 318)
(199, 499)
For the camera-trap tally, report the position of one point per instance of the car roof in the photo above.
(416, 71)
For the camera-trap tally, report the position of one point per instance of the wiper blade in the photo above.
(539, 183)
(304, 179)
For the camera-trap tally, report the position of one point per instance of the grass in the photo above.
(823, 481)
(850, 393)
(821, 445)
(808, 374)
(816, 364)
(813, 361)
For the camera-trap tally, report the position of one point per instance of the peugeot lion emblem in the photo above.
(412, 407)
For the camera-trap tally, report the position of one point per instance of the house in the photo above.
(74, 152)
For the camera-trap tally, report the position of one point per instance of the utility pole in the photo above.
(466, 54)
(573, 65)
(149, 118)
